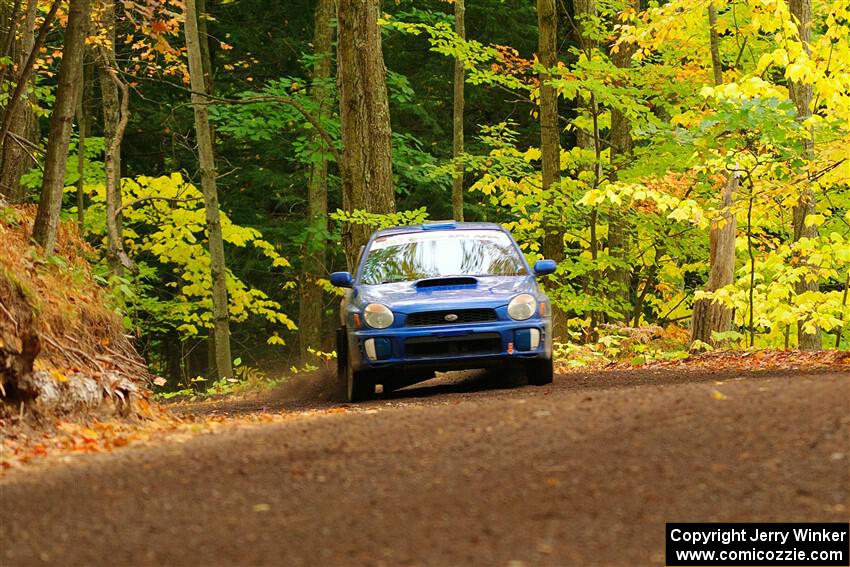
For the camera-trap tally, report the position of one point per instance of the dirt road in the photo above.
(585, 472)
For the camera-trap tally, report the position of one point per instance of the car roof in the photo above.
(440, 225)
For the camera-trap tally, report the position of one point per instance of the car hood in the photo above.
(487, 291)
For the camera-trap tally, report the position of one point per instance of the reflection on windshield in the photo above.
(408, 257)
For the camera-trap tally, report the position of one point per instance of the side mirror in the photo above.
(544, 267)
(341, 279)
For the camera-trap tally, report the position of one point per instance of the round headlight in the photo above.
(378, 316)
(522, 307)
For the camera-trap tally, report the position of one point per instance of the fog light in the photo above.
(527, 339)
(378, 349)
(535, 339)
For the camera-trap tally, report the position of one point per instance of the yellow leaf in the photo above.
(57, 375)
(718, 395)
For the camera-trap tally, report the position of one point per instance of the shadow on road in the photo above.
(319, 390)
(465, 382)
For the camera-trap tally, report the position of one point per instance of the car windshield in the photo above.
(421, 255)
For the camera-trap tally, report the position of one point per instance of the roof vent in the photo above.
(439, 225)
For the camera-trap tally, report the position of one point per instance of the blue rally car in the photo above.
(441, 296)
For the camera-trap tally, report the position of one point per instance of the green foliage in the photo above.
(164, 229)
(377, 220)
(660, 200)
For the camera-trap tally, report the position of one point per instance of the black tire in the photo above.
(341, 362)
(353, 386)
(540, 372)
(360, 385)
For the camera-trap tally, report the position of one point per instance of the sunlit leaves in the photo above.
(165, 225)
(381, 220)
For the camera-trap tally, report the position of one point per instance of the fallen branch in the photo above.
(64, 348)
(127, 359)
(9, 314)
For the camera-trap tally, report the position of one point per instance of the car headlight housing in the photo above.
(378, 316)
(522, 307)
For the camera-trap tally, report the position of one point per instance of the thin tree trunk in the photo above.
(550, 140)
(457, 116)
(115, 254)
(751, 254)
(221, 324)
(206, 65)
(7, 39)
(61, 121)
(840, 330)
(801, 94)
(714, 43)
(313, 256)
(204, 36)
(585, 12)
(367, 174)
(710, 316)
(23, 76)
(15, 158)
(83, 130)
(116, 113)
(620, 152)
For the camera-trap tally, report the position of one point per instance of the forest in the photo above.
(208, 163)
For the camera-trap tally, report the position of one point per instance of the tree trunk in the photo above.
(590, 141)
(621, 146)
(116, 100)
(801, 94)
(709, 316)
(9, 17)
(367, 174)
(550, 140)
(61, 121)
(584, 9)
(83, 133)
(457, 116)
(25, 71)
(204, 36)
(313, 256)
(15, 157)
(714, 43)
(221, 326)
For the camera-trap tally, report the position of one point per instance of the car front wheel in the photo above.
(540, 372)
(355, 386)
(360, 386)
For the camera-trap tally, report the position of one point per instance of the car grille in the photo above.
(481, 343)
(433, 318)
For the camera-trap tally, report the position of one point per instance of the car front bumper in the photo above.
(450, 346)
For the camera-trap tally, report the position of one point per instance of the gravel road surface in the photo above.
(454, 472)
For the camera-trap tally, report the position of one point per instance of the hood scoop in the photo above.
(457, 282)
